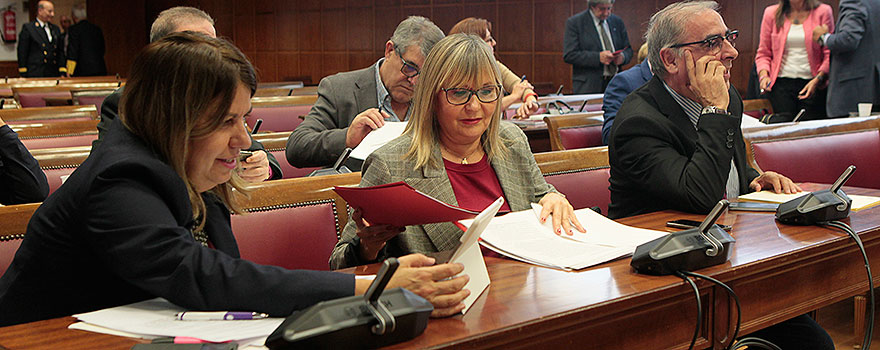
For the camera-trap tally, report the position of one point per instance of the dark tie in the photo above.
(610, 69)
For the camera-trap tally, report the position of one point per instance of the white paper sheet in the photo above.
(469, 255)
(522, 236)
(378, 138)
(155, 317)
(859, 202)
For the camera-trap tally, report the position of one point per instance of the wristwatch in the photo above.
(714, 110)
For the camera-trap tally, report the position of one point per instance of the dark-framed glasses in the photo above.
(460, 96)
(408, 68)
(714, 43)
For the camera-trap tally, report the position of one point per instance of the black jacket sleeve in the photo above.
(21, 179)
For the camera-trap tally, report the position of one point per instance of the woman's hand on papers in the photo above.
(562, 212)
(373, 237)
(775, 182)
(434, 283)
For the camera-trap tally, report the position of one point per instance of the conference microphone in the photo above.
(820, 206)
(686, 250)
(337, 167)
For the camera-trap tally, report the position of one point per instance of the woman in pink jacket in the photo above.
(792, 67)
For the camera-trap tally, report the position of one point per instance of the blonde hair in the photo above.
(457, 60)
(180, 89)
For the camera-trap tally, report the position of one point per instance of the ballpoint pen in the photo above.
(218, 316)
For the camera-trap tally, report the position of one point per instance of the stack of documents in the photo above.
(521, 235)
(155, 318)
(858, 202)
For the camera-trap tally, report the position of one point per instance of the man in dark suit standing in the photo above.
(39, 45)
(855, 57)
(592, 45)
(85, 52)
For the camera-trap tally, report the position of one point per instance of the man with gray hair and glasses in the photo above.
(352, 104)
(677, 144)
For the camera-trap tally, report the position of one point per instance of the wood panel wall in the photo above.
(310, 39)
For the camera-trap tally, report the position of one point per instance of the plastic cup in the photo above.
(865, 109)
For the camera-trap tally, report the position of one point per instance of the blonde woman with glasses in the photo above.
(456, 149)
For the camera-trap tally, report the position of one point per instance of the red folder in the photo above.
(398, 204)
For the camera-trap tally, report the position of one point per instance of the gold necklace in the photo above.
(463, 159)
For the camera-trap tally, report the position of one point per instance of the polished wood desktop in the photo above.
(778, 271)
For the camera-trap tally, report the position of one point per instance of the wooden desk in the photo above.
(778, 271)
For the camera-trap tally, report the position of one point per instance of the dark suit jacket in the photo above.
(110, 112)
(118, 231)
(855, 48)
(86, 48)
(658, 161)
(21, 179)
(37, 57)
(618, 89)
(581, 47)
(519, 176)
(320, 139)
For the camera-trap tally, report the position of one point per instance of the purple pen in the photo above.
(218, 316)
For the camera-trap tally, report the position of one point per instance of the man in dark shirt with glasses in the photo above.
(352, 104)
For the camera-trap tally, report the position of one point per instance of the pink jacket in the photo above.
(772, 44)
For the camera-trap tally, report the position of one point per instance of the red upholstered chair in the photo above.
(282, 118)
(289, 171)
(35, 99)
(578, 130)
(581, 174)
(56, 142)
(298, 236)
(8, 246)
(14, 219)
(54, 176)
(293, 223)
(823, 157)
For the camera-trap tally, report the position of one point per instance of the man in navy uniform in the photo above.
(39, 48)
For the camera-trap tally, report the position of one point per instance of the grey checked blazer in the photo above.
(521, 181)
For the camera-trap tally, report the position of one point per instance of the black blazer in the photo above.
(86, 47)
(21, 179)
(37, 57)
(658, 161)
(581, 47)
(118, 231)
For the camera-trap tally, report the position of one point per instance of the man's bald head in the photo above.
(179, 19)
(45, 10)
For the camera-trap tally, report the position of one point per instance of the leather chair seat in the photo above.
(584, 188)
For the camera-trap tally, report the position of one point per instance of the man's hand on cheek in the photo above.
(706, 77)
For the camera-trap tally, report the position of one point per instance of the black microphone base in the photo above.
(819, 206)
(680, 251)
(346, 323)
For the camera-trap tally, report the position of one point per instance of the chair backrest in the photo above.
(56, 176)
(48, 113)
(276, 143)
(90, 97)
(277, 101)
(757, 108)
(59, 162)
(577, 130)
(32, 96)
(823, 157)
(293, 223)
(281, 118)
(581, 174)
(56, 142)
(55, 127)
(15, 219)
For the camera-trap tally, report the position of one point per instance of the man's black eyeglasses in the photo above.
(408, 68)
(714, 43)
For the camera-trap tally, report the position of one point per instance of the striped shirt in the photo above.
(693, 110)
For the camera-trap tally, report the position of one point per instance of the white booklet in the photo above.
(378, 138)
(521, 235)
(468, 254)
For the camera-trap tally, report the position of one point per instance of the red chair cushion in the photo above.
(584, 189)
(7, 252)
(823, 158)
(56, 142)
(36, 99)
(97, 101)
(294, 238)
(289, 171)
(285, 118)
(54, 177)
(581, 137)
